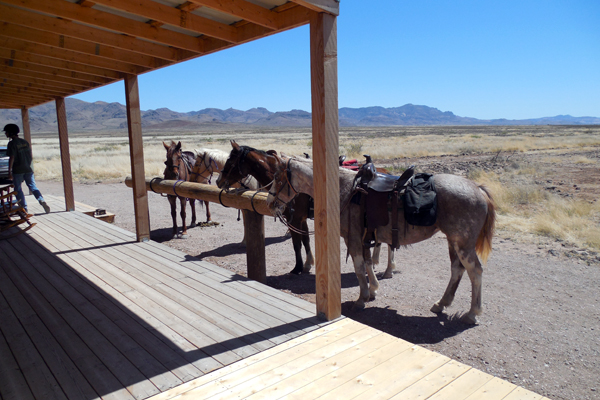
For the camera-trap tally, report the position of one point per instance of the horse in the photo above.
(179, 167)
(466, 215)
(244, 161)
(212, 161)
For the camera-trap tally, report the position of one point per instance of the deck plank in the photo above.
(60, 315)
(188, 283)
(149, 299)
(108, 317)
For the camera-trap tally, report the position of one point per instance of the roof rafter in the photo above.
(51, 73)
(176, 17)
(110, 66)
(79, 46)
(90, 16)
(244, 10)
(90, 34)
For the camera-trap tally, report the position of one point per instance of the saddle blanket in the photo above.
(420, 200)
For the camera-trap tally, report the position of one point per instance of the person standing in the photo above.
(20, 166)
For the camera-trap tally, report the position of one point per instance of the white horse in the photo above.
(466, 215)
(210, 162)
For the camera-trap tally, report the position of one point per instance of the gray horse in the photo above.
(466, 215)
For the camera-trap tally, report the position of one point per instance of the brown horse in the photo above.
(179, 167)
(244, 161)
(466, 215)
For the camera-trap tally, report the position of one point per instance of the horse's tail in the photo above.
(484, 240)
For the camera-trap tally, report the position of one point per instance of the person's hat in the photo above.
(11, 129)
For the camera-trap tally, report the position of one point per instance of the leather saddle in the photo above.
(379, 195)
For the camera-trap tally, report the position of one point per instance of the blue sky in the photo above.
(485, 59)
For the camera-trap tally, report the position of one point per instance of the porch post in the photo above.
(65, 157)
(25, 123)
(324, 85)
(136, 155)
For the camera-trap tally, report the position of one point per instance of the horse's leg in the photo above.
(310, 261)
(475, 271)
(207, 211)
(193, 207)
(468, 258)
(359, 270)
(183, 201)
(376, 252)
(173, 202)
(297, 242)
(391, 265)
(373, 282)
(457, 270)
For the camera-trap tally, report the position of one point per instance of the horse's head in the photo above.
(282, 192)
(244, 161)
(174, 160)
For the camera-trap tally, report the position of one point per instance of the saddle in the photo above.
(378, 194)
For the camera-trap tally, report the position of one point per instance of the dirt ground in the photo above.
(541, 323)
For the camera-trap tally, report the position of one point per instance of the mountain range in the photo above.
(98, 116)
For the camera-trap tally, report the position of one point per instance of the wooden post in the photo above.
(26, 127)
(136, 155)
(65, 156)
(26, 130)
(254, 231)
(324, 85)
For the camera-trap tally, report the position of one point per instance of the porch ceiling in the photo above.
(57, 48)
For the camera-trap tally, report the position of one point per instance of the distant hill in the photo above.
(83, 116)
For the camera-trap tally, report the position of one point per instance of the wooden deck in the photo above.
(86, 312)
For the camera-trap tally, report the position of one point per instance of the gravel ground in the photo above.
(541, 323)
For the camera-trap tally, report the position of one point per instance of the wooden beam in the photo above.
(91, 61)
(93, 35)
(20, 93)
(26, 126)
(136, 155)
(69, 66)
(95, 50)
(34, 80)
(100, 19)
(330, 6)
(325, 137)
(50, 73)
(30, 88)
(290, 17)
(244, 10)
(65, 156)
(176, 17)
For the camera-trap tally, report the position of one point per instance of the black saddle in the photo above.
(377, 193)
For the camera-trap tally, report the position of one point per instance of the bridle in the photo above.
(207, 168)
(175, 168)
(288, 182)
(240, 161)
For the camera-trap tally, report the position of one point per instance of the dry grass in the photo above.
(524, 206)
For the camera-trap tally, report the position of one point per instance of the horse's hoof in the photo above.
(183, 236)
(437, 308)
(358, 306)
(296, 271)
(468, 319)
(306, 269)
(192, 225)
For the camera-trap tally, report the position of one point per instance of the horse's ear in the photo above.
(235, 145)
(166, 146)
(272, 152)
(178, 147)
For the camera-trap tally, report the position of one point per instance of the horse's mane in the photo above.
(219, 156)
